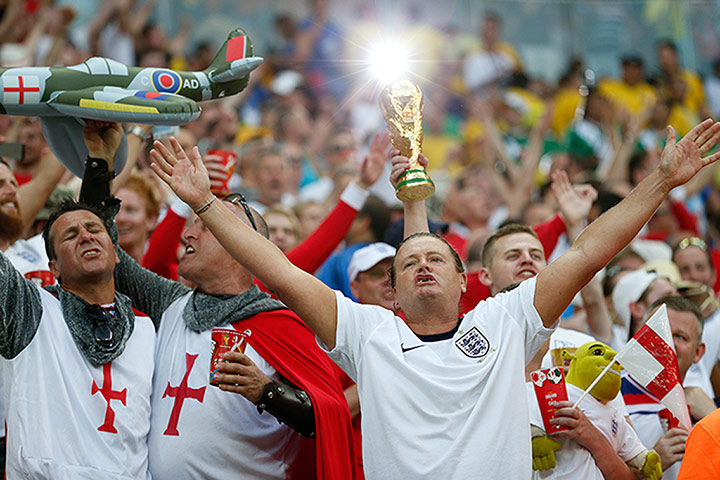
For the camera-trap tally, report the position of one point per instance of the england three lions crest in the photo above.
(473, 344)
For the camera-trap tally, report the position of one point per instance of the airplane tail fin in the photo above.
(234, 60)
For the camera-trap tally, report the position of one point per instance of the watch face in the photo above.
(138, 131)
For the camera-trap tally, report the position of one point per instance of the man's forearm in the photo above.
(608, 461)
(33, 195)
(415, 218)
(595, 247)
(612, 231)
(96, 181)
(20, 310)
(150, 293)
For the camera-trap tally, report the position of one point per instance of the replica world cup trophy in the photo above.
(401, 103)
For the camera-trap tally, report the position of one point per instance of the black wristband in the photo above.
(291, 406)
(96, 181)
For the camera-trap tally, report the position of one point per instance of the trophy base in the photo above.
(414, 185)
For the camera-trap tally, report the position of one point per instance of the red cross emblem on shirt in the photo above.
(109, 394)
(181, 392)
(21, 90)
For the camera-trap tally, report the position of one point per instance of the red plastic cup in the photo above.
(224, 340)
(42, 278)
(228, 161)
(549, 388)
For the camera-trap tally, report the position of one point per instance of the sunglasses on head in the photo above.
(101, 319)
(239, 199)
(692, 241)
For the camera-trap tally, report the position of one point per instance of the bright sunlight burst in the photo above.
(389, 62)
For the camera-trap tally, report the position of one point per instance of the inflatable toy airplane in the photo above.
(103, 89)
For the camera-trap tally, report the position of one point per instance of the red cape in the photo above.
(282, 339)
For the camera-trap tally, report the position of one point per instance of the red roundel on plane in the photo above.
(166, 81)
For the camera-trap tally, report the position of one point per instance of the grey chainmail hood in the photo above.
(204, 311)
(82, 328)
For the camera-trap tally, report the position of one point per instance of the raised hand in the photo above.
(372, 167)
(574, 201)
(682, 160)
(400, 164)
(187, 176)
(102, 139)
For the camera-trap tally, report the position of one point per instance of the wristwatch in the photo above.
(139, 132)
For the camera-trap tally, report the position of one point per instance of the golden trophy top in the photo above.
(401, 104)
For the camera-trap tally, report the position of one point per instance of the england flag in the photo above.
(650, 358)
(20, 89)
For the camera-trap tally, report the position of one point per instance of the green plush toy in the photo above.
(586, 364)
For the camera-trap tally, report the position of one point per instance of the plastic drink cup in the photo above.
(228, 160)
(42, 278)
(549, 387)
(224, 340)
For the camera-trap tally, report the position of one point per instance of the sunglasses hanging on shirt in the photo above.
(101, 319)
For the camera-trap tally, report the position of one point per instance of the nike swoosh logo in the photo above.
(405, 350)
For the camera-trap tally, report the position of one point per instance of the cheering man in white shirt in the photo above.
(443, 397)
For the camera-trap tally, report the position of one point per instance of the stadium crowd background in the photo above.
(514, 90)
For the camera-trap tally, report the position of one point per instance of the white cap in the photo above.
(286, 82)
(629, 289)
(367, 257)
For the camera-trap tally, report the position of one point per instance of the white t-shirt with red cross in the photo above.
(29, 258)
(67, 419)
(200, 431)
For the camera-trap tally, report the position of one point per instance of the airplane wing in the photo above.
(115, 104)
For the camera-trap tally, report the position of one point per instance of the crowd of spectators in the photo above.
(502, 147)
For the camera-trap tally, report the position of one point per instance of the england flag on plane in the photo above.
(21, 89)
(650, 358)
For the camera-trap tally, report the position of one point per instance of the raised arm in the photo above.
(33, 194)
(415, 215)
(575, 202)
(149, 292)
(314, 302)
(606, 236)
(310, 254)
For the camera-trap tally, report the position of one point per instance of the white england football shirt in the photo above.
(453, 408)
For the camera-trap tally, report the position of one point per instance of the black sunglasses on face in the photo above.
(101, 318)
(239, 199)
